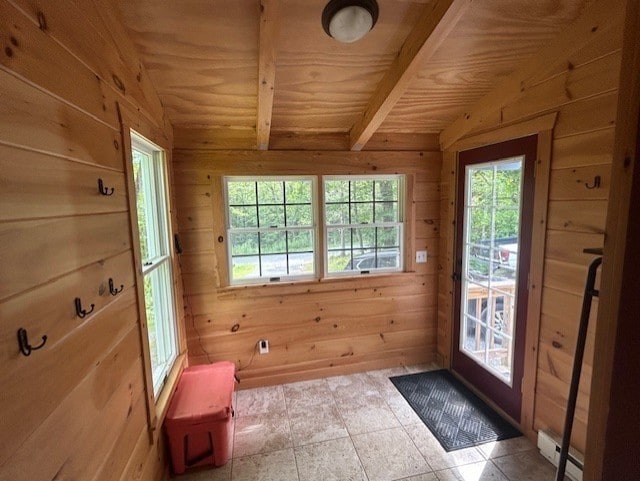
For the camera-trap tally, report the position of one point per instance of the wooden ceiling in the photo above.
(250, 71)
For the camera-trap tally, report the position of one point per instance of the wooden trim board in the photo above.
(156, 409)
(266, 69)
(152, 420)
(536, 276)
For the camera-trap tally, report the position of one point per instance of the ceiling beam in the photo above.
(434, 25)
(266, 70)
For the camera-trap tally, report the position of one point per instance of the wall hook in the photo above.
(115, 291)
(23, 342)
(104, 190)
(596, 183)
(80, 311)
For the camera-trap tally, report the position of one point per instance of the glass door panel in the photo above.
(490, 263)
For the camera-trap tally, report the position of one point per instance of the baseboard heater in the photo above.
(549, 446)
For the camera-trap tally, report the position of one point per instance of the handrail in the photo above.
(589, 293)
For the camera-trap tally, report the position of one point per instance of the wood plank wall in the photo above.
(76, 408)
(314, 328)
(583, 90)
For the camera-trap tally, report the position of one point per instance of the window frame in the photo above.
(230, 231)
(402, 192)
(156, 190)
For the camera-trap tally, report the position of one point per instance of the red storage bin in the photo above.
(199, 422)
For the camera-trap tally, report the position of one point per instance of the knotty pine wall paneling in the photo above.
(582, 88)
(76, 408)
(315, 328)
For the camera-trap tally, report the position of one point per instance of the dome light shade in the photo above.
(349, 20)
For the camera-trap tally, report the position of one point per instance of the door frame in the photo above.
(463, 365)
(541, 126)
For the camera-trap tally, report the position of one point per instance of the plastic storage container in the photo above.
(199, 422)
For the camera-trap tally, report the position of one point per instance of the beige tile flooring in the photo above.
(356, 428)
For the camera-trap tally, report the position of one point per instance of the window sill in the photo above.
(162, 405)
(323, 284)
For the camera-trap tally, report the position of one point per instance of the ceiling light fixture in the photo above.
(349, 20)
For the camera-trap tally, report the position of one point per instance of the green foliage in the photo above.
(298, 191)
(141, 204)
(245, 243)
(336, 191)
(337, 263)
(273, 242)
(241, 217)
(306, 267)
(477, 266)
(243, 271)
(270, 192)
(299, 215)
(352, 202)
(241, 193)
(495, 203)
(362, 237)
(300, 240)
(151, 316)
(245, 212)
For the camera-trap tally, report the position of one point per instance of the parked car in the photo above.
(509, 254)
(386, 259)
(505, 254)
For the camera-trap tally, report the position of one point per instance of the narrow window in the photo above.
(153, 227)
(363, 224)
(271, 228)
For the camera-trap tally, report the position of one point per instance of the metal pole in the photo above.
(589, 293)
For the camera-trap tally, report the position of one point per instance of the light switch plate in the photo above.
(421, 257)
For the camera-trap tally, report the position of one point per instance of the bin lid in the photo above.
(204, 393)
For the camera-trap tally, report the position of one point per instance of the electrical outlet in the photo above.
(263, 346)
(421, 257)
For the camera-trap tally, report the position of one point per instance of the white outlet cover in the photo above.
(421, 257)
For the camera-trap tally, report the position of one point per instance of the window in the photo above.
(363, 224)
(153, 228)
(270, 228)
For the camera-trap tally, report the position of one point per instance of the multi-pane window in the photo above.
(363, 224)
(153, 227)
(271, 228)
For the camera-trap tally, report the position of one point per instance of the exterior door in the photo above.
(494, 216)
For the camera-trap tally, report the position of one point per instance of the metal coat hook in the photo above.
(114, 291)
(80, 311)
(23, 342)
(596, 183)
(104, 190)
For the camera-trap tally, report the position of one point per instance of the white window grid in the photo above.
(157, 266)
(312, 228)
(399, 224)
(492, 291)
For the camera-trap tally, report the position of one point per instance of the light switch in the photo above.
(421, 257)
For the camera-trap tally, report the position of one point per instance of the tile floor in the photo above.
(356, 428)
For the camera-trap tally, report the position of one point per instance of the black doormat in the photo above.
(455, 415)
